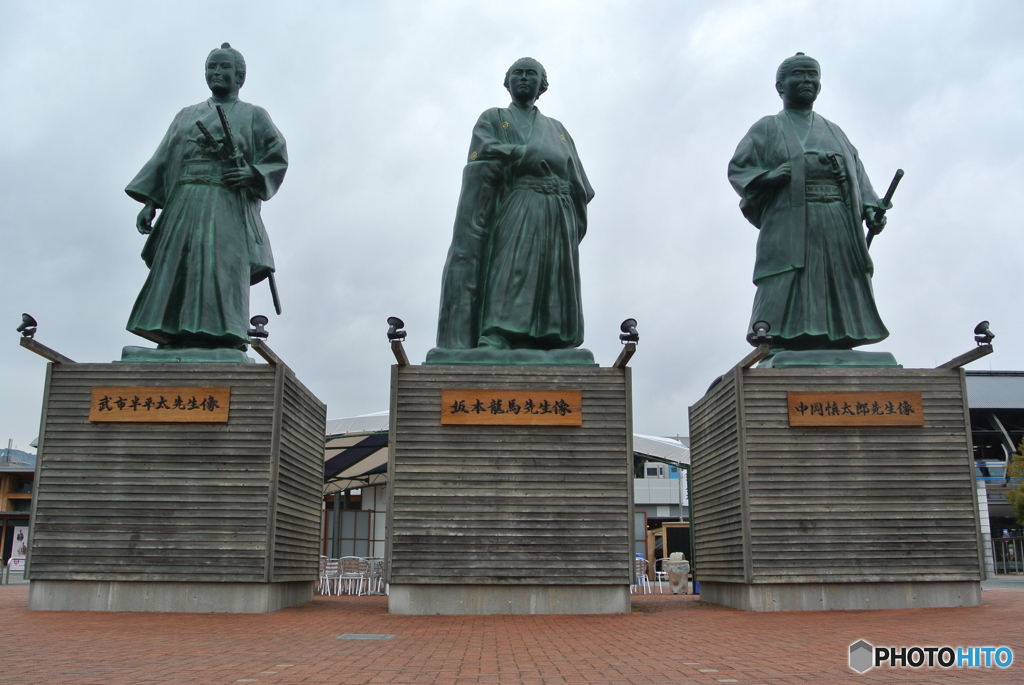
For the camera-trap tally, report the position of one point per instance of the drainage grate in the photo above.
(363, 636)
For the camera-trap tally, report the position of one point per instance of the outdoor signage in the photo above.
(159, 404)
(19, 549)
(512, 407)
(889, 408)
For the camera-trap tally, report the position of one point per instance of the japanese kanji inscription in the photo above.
(890, 408)
(512, 407)
(158, 404)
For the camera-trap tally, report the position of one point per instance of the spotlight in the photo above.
(761, 329)
(982, 335)
(629, 334)
(258, 330)
(395, 334)
(28, 326)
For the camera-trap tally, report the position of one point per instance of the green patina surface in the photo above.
(802, 184)
(511, 284)
(218, 161)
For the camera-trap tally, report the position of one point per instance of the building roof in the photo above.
(995, 389)
(666, 449)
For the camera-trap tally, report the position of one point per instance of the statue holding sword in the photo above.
(802, 184)
(217, 163)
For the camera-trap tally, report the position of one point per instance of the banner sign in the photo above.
(19, 549)
(157, 404)
(512, 407)
(889, 408)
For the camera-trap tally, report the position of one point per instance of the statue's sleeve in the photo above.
(151, 184)
(270, 156)
(584, 192)
(748, 165)
(868, 197)
(488, 143)
(482, 177)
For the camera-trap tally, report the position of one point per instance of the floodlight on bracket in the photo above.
(629, 339)
(258, 331)
(28, 341)
(982, 334)
(396, 336)
(28, 326)
(761, 329)
(983, 337)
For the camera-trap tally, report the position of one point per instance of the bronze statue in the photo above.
(218, 161)
(802, 184)
(512, 280)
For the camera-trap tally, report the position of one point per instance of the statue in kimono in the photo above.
(802, 183)
(217, 163)
(510, 292)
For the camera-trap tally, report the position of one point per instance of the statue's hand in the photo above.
(778, 176)
(869, 218)
(871, 211)
(240, 177)
(515, 157)
(144, 222)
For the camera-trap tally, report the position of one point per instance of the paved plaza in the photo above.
(667, 639)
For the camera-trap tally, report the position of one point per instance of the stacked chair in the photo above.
(351, 576)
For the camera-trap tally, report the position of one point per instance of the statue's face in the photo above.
(801, 84)
(524, 80)
(221, 74)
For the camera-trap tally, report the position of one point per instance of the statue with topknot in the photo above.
(217, 163)
(510, 292)
(802, 183)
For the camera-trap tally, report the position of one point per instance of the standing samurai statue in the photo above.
(802, 184)
(510, 293)
(217, 163)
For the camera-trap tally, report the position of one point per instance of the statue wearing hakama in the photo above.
(512, 277)
(209, 243)
(802, 184)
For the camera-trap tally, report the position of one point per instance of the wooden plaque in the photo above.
(160, 404)
(900, 408)
(512, 407)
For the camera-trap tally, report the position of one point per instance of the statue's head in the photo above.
(225, 69)
(526, 73)
(798, 79)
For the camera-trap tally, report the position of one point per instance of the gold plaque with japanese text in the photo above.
(160, 404)
(512, 407)
(888, 408)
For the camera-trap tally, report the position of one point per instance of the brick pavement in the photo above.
(667, 639)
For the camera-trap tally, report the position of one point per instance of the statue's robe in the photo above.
(512, 276)
(209, 244)
(813, 271)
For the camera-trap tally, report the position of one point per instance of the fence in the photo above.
(1008, 554)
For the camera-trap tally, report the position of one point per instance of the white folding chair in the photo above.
(640, 576)
(374, 576)
(353, 575)
(660, 574)
(330, 575)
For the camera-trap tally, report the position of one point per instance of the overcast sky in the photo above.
(377, 102)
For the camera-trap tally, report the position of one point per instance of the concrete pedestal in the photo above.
(509, 599)
(176, 515)
(232, 598)
(789, 516)
(831, 596)
(515, 518)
